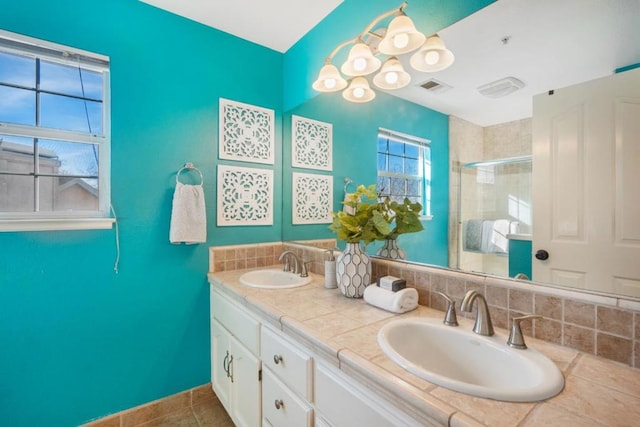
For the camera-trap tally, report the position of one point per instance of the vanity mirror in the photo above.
(515, 49)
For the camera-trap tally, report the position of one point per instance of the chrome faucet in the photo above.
(483, 324)
(287, 256)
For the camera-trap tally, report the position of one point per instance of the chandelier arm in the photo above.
(397, 11)
(367, 31)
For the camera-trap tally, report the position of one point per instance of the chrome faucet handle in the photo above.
(450, 317)
(516, 339)
(305, 269)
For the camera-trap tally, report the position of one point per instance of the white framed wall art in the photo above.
(312, 196)
(245, 196)
(311, 144)
(246, 133)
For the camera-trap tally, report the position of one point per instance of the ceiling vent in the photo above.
(435, 86)
(500, 88)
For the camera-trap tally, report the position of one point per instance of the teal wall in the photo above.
(520, 257)
(355, 134)
(78, 341)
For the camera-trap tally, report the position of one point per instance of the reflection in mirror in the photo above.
(495, 217)
(474, 138)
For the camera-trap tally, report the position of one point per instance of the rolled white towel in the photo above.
(395, 302)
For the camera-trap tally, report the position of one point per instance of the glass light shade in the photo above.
(360, 61)
(329, 79)
(433, 56)
(401, 37)
(358, 91)
(392, 75)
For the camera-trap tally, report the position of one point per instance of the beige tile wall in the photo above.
(599, 325)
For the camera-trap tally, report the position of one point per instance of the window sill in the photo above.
(56, 224)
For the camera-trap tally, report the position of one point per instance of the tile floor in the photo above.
(205, 414)
(198, 407)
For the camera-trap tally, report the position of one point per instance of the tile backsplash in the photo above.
(601, 325)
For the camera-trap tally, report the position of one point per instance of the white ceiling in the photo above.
(552, 44)
(276, 24)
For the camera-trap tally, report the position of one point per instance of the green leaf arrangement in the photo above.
(375, 219)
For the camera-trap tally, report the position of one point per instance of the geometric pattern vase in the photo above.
(391, 250)
(353, 271)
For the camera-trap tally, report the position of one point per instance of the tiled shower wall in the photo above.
(601, 325)
(468, 143)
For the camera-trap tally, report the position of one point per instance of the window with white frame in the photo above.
(404, 168)
(54, 136)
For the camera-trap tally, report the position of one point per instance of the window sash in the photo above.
(423, 181)
(59, 54)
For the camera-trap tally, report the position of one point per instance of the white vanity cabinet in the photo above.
(287, 381)
(235, 362)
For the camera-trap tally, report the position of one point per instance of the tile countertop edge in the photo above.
(416, 403)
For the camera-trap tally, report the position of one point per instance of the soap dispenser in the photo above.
(330, 281)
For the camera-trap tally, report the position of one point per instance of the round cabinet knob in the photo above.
(277, 359)
(542, 255)
(279, 403)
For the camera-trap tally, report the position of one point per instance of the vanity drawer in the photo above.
(237, 321)
(280, 406)
(288, 363)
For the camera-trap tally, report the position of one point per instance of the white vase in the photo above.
(353, 271)
(391, 250)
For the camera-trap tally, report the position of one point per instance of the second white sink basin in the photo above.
(460, 360)
(273, 278)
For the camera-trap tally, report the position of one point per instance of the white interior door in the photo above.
(586, 185)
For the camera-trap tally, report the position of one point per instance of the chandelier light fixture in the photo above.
(398, 38)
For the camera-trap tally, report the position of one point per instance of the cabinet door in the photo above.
(219, 358)
(245, 386)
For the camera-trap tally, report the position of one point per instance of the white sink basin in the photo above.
(273, 278)
(460, 360)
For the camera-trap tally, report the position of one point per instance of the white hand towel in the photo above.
(188, 215)
(395, 302)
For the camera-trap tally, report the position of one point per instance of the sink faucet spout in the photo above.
(483, 325)
(287, 256)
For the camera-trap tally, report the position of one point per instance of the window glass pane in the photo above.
(397, 186)
(16, 154)
(411, 166)
(16, 193)
(17, 106)
(17, 70)
(413, 187)
(382, 162)
(61, 112)
(396, 148)
(68, 158)
(68, 194)
(382, 145)
(411, 150)
(383, 185)
(395, 164)
(70, 80)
